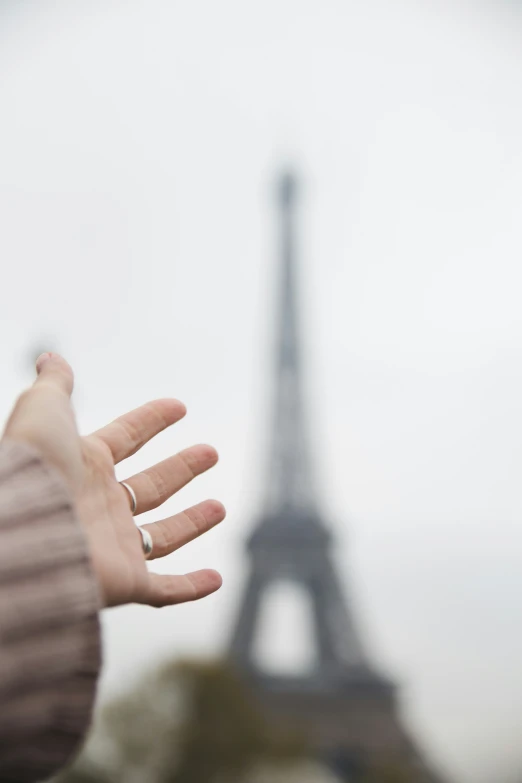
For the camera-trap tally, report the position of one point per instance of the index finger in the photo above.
(128, 433)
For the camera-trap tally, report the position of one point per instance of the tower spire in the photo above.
(290, 484)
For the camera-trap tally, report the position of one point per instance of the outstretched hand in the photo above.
(43, 418)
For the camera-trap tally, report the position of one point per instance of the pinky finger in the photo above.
(166, 590)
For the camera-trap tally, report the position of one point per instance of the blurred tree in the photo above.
(226, 725)
(391, 774)
(197, 723)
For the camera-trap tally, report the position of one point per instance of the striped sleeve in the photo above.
(49, 629)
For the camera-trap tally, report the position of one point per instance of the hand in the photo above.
(43, 418)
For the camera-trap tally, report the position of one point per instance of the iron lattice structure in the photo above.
(345, 708)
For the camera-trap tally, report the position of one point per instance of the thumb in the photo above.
(53, 370)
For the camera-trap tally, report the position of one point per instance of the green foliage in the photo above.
(197, 723)
(225, 735)
(389, 774)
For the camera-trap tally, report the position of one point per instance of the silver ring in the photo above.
(146, 541)
(146, 538)
(132, 495)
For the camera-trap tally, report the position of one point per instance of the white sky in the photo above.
(138, 145)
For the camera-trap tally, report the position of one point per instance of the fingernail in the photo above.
(41, 361)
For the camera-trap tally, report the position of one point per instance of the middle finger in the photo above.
(157, 484)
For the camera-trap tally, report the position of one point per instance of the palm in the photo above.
(114, 541)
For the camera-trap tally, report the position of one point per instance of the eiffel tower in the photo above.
(343, 706)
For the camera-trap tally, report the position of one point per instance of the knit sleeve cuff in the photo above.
(49, 629)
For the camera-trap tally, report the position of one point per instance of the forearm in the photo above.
(49, 632)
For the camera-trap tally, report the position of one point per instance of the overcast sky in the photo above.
(139, 142)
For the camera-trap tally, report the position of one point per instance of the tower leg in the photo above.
(243, 637)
